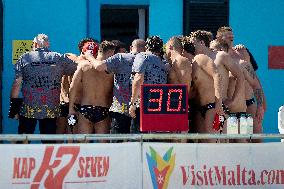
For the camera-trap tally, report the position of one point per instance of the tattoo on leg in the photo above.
(259, 96)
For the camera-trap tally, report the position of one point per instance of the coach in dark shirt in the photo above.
(38, 74)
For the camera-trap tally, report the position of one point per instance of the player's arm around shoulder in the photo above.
(72, 56)
(235, 69)
(201, 61)
(242, 51)
(84, 65)
(208, 65)
(184, 67)
(253, 81)
(183, 63)
(96, 64)
(75, 85)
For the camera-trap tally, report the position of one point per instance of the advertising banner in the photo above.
(20, 47)
(81, 166)
(171, 166)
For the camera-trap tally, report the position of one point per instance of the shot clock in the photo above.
(163, 108)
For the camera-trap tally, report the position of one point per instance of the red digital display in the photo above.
(157, 100)
(169, 100)
(163, 108)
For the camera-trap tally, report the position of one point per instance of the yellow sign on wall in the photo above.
(20, 47)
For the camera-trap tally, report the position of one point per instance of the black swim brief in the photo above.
(209, 106)
(225, 109)
(64, 109)
(93, 113)
(250, 102)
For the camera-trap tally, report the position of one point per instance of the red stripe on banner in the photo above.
(69, 182)
(88, 181)
(21, 183)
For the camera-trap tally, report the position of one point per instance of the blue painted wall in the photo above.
(258, 24)
(65, 23)
(163, 19)
(166, 18)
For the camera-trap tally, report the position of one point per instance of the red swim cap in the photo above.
(91, 47)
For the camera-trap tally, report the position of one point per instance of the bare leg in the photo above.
(204, 125)
(61, 123)
(199, 125)
(257, 129)
(84, 126)
(73, 131)
(224, 131)
(257, 126)
(103, 127)
(208, 126)
(61, 126)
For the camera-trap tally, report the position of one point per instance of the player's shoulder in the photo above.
(25, 55)
(222, 54)
(198, 57)
(243, 62)
(124, 56)
(201, 59)
(181, 60)
(71, 56)
(84, 65)
(54, 54)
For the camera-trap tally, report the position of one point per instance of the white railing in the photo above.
(133, 137)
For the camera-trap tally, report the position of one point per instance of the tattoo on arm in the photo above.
(259, 96)
(250, 71)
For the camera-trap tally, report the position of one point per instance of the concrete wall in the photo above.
(64, 22)
(259, 24)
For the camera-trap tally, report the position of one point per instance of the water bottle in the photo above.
(281, 121)
(250, 124)
(243, 124)
(232, 124)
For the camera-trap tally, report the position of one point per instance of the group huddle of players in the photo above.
(102, 95)
(105, 89)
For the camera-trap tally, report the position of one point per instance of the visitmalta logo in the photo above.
(160, 168)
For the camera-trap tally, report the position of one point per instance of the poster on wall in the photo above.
(171, 166)
(81, 166)
(20, 47)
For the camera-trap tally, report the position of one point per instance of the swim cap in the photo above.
(91, 47)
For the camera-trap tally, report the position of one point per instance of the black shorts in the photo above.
(64, 109)
(27, 125)
(206, 107)
(135, 123)
(94, 114)
(120, 123)
(250, 102)
(46, 126)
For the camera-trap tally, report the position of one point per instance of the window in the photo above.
(124, 23)
(205, 15)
